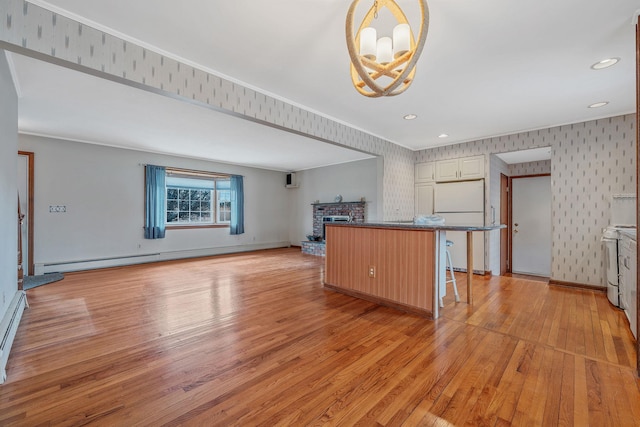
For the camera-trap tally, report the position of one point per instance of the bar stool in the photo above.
(449, 266)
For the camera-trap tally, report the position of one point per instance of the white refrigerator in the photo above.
(462, 203)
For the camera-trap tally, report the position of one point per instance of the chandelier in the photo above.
(384, 66)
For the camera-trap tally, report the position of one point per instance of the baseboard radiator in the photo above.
(118, 261)
(8, 329)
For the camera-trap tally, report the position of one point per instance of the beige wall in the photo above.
(589, 162)
(103, 191)
(530, 168)
(8, 187)
(352, 181)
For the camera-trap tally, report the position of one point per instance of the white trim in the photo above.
(9, 328)
(517, 132)
(79, 265)
(14, 74)
(140, 150)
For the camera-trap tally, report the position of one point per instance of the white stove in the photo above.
(611, 237)
(623, 217)
(628, 275)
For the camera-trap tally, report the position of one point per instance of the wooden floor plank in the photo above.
(581, 393)
(567, 392)
(524, 414)
(255, 339)
(553, 394)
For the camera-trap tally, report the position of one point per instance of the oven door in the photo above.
(611, 260)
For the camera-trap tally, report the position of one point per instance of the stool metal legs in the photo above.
(453, 277)
(449, 266)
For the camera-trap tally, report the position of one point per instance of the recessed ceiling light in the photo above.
(598, 104)
(443, 135)
(410, 117)
(605, 63)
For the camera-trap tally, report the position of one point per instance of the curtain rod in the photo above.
(193, 171)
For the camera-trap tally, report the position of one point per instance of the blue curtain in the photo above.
(155, 196)
(237, 205)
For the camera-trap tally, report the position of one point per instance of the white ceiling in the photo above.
(489, 68)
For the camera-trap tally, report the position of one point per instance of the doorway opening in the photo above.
(505, 248)
(25, 194)
(509, 168)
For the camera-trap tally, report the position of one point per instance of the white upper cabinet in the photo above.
(425, 172)
(472, 167)
(447, 170)
(462, 169)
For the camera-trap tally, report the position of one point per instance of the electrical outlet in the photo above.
(57, 208)
(372, 271)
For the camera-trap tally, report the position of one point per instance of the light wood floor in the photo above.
(254, 339)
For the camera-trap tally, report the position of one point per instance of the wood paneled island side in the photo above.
(394, 264)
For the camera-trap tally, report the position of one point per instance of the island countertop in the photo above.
(412, 226)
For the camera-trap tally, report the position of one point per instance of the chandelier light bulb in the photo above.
(368, 47)
(385, 50)
(401, 40)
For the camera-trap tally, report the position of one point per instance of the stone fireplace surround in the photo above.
(353, 209)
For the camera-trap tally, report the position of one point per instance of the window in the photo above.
(224, 201)
(197, 199)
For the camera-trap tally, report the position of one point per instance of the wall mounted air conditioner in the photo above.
(291, 181)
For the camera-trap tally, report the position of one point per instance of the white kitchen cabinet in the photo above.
(424, 199)
(462, 169)
(447, 170)
(472, 167)
(627, 279)
(425, 172)
(632, 312)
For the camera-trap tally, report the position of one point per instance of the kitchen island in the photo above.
(401, 265)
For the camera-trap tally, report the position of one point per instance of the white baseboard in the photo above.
(8, 328)
(195, 253)
(91, 264)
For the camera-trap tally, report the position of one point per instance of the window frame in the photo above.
(187, 173)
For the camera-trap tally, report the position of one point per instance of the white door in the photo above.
(23, 192)
(531, 243)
